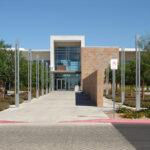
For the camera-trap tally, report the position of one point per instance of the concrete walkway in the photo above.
(54, 108)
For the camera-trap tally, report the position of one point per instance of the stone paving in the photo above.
(53, 108)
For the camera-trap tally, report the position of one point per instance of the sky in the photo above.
(103, 22)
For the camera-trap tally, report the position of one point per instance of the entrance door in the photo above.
(61, 84)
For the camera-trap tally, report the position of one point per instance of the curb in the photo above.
(126, 121)
(10, 122)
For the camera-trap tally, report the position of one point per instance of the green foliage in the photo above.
(6, 63)
(130, 103)
(145, 66)
(130, 73)
(7, 68)
(132, 114)
(23, 72)
(147, 113)
(121, 110)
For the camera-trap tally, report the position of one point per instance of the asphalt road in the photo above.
(62, 137)
(137, 134)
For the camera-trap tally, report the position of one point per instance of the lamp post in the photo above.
(122, 75)
(37, 76)
(49, 79)
(138, 73)
(46, 78)
(17, 73)
(29, 74)
(42, 77)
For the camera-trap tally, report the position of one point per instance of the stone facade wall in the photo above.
(90, 86)
(92, 59)
(93, 86)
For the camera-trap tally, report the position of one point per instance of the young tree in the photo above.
(130, 75)
(145, 69)
(6, 66)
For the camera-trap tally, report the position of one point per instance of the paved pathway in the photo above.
(53, 108)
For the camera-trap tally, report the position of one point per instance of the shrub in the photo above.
(132, 114)
(4, 105)
(147, 113)
(121, 110)
(129, 103)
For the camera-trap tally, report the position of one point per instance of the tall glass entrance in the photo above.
(66, 81)
(61, 84)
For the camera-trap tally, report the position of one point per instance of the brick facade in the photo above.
(92, 72)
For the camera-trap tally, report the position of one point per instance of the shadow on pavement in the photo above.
(137, 134)
(83, 100)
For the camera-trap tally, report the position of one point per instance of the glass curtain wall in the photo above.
(68, 57)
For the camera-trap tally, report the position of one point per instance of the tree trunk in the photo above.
(143, 97)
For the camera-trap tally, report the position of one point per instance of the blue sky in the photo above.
(103, 22)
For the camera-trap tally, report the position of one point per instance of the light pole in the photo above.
(37, 76)
(17, 73)
(42, 77)
(138, 73)
(122, 75)
(29, 74)
(46, 78)
(49, 79)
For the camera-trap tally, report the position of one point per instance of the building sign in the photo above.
(114, 64)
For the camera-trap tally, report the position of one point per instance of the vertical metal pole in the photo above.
(114, 87)
(107, 76)
(122, 75)
(46, 78)
(17, 73)
(138, 73)
(114, 81)
(37, 76)
(49, 79)
(42, 77)
(29, 74)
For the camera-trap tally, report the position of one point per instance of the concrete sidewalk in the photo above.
(53, 108)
